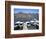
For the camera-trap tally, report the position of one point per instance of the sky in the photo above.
(17, 10)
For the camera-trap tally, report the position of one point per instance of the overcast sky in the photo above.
(17, 10)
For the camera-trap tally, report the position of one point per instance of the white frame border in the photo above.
(25, 31)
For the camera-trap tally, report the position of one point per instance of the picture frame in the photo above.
(10, 5)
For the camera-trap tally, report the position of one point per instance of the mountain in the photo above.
(24, 17)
